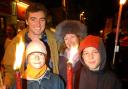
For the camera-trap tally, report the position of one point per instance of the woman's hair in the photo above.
(70, 27)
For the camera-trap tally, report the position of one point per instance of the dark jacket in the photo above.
(100, 79)
(48, 81)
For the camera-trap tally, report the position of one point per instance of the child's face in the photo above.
(36, 60)
(71, 40)
(91, 58)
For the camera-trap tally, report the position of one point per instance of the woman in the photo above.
(68, 34)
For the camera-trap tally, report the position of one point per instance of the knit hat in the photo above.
(96, 42)
(36, 46)
(70, 27)
(90, 41)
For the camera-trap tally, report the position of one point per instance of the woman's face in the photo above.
(36, 60)
(91, 58)
(71, 40)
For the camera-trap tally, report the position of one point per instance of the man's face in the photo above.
(71, 40)
(91, 58)
(36, 22)
(9, 31)
(36, 60)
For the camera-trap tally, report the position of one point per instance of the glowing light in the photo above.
(73, 52)
(83, 12)
(122, 2)
(19, 54)
(22, 4)
(64, 3)
(101, 31)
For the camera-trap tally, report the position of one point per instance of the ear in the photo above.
(26, 22)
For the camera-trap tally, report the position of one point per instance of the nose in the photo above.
(91, 56)
(38, 23)
(36, 57)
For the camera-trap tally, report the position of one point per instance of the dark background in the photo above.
(96, 11)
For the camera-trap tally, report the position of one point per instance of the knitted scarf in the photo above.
(32, 73)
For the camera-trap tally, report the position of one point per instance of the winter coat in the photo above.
(48, 81)
(100, 79)
(9, 56)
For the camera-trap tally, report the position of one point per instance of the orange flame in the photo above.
(73, 52)
(19, 54)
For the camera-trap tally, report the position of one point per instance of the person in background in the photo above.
(69, 33)
(93, 74)
(2, 40)
(36, 16)
(37, 74)
(10, 33)
(110, 48)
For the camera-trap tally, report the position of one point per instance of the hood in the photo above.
(71, 27)
(96, 42)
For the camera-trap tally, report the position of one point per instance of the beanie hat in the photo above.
(89, 41)
(96, 42)
(36, 46)
(70, 27)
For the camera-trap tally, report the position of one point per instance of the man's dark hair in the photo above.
(35, 7)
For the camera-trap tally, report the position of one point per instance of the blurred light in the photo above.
(122, 2)
(22, 4)
(72, 53)
(19, 55)
(101, 31)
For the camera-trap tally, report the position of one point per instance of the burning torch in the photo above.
(72, 54)
(19, 55)
(116, 49)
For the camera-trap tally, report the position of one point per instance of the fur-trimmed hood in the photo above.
(70, 26)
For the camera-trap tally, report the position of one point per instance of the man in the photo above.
(36, 29)
(10, 34)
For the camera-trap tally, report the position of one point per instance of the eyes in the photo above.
(35, 19)
(93, 52)
(69, 36)
(36, 55)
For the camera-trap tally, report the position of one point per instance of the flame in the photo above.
(73, 52)
(122, 2)
(19, 54)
